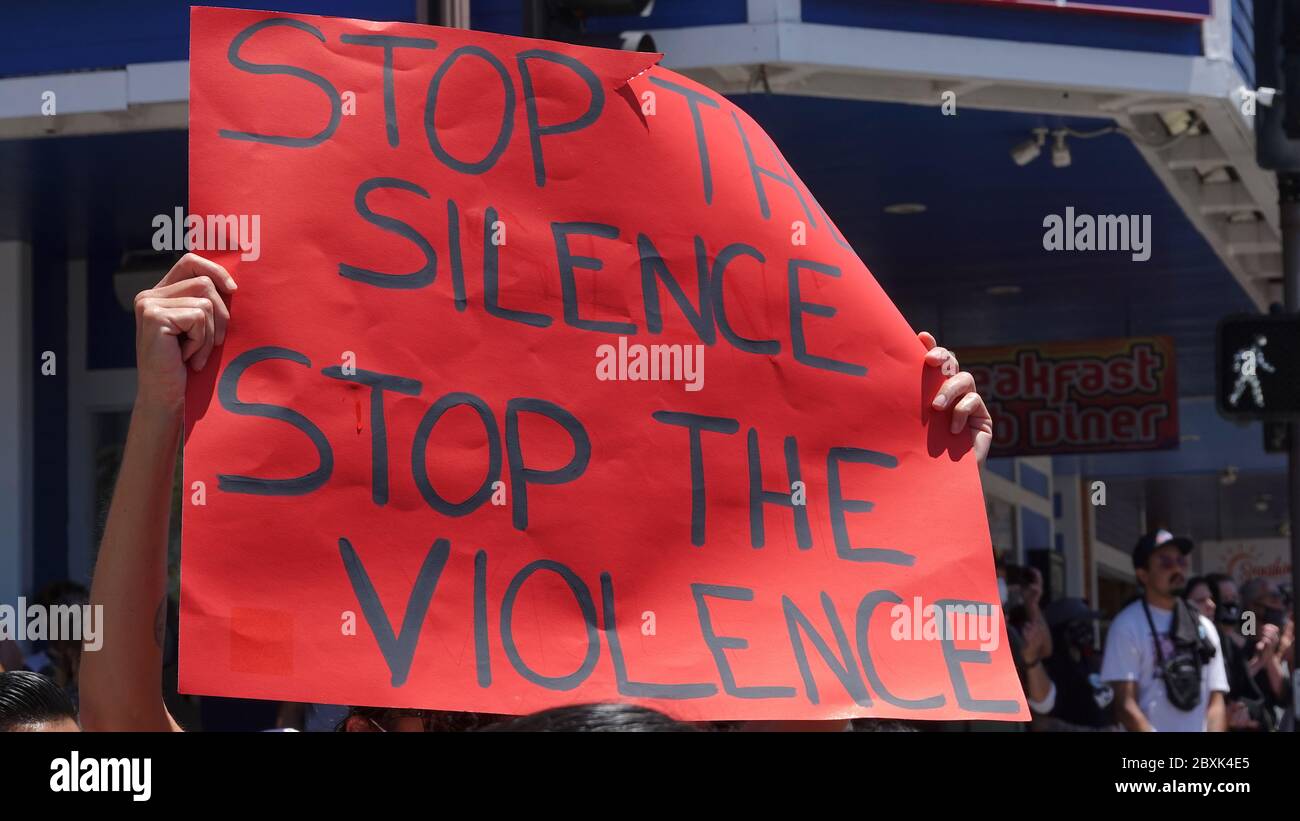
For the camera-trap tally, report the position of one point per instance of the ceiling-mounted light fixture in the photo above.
(905, 208)
(1028, 151)
(1060, 151)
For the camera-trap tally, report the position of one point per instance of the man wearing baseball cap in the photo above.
(1163, 659)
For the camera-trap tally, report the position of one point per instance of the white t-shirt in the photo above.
(1131, 656)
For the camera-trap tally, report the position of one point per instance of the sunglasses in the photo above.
(1168, 562)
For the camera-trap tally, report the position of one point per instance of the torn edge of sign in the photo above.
(624, 87)
(653, 62)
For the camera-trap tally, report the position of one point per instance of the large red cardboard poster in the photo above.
(551, 383)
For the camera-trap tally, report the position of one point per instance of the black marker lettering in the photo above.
(865, 608)
(839, 506)
(640, 689)
(228, 395)
(845, 667)
(535, 128)
(389, 43)
(955, 658)
(420, 445)
(415, 279)
(718, 645)
(799, 343)
(522, 476)
(758, 497)
(585, 604)
(694, 100)
(724, 258)
(491, 281)
(569, 262)
(654, 267)
(336, 102)
(378, 382)
(758, 172)
(695, 423)
(507, 116)
(398, 650)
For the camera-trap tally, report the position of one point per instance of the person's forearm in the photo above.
(1037, 683)
(1276, 678)
(1132, 718)
(121, 683)
(1216, 714)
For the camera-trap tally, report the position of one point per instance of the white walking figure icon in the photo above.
(1244, 364)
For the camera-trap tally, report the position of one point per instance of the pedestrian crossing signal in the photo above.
(1258, 367)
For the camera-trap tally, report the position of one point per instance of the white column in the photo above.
(1070, 525)
(19, 365)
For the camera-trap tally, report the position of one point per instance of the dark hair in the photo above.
(594, 718)
(883, 725)
(435, 721)
(65, 592)
(28, 699)
(1198, 580)
(1215, 581)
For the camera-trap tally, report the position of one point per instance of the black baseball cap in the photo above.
(1070, 609)
(1157, 539)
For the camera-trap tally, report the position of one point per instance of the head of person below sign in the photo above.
(1163, 658)
(33, 703)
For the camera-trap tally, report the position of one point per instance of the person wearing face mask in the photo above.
(1244, 702)
(1162, 657)
(1082, 699)
(1267, 648)
(1030, 638)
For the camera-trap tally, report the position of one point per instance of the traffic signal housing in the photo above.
(567, 21)
(1258, 367)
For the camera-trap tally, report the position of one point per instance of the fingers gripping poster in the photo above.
(550, 382)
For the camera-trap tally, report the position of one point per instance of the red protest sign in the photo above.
(550, 382)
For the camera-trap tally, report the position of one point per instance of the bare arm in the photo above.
(121, 686)
(1267, 658)
(1126, 707)
(1216, 714)
(1038, 685)
(1038, 646)
(177, 324)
